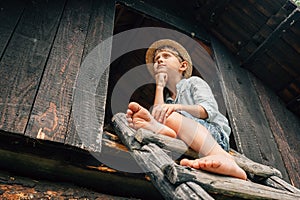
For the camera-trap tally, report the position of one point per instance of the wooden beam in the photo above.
(257, 172)
(62, 163)
(269, 41)
(159, 166)
(151, 159)
(15, 187)
(179, 148)
(163, 14)
(225, 186)
(217, 11)
(278, 183)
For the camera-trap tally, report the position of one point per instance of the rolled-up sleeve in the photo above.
(195, 91)
(203, 96)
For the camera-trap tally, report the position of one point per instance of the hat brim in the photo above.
(167, 42)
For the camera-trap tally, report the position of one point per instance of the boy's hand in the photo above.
(161, 111)
(161, 75)
(161, 79)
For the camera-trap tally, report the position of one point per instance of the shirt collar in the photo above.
(180, 84)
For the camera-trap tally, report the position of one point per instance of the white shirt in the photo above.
(195, 91)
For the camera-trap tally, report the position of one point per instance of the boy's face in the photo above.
(166, 62)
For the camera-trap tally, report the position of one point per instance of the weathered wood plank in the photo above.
(292, 38)
(61, 163)
(125, 133)
(267, 28)
(254, 168)
(294, 16)
(285, 10)
(52, 106)
(178, 148)
(268, 7)
(285, 127)
(278, 183)
(263, 66)
(23, 62)
(189, 189)
(252, 14)
(249, 125)
(286, 56)
(11, 12)
(86, 130)
(227, 35)
(151, 159)
(231, 188)
(216, 184)
(164, 14)
(233, 17)
(14, 186)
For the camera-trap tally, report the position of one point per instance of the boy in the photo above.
(191, 112)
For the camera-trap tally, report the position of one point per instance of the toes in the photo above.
(204, 163)
(186, 162)
(190, 163)
(216, 164)
(207, 163)
(135, 107)
(129, 113)
(131, 125)
(196, 164)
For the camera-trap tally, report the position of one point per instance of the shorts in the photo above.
(214, 129)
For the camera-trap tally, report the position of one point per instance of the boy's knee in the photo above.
(174, 121)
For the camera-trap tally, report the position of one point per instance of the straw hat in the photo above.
(167, 42)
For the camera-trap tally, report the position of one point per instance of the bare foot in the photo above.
(139, 117)
(219, 164)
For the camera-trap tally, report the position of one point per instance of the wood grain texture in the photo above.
(285, 127)
(226, 187)
(88, 112)
(152, 159)
(250, 127)
(166, 15)
(23, 62)
(60, 163)
(281, 25)
(174, 181)
(178, 148)
(51, 110)
(9, 16)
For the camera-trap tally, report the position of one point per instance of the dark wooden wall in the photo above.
(264, 35)
(43, 44)
(260, 133)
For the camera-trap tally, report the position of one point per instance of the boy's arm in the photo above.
(159, 95)
(161, 80)
(195, 110)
